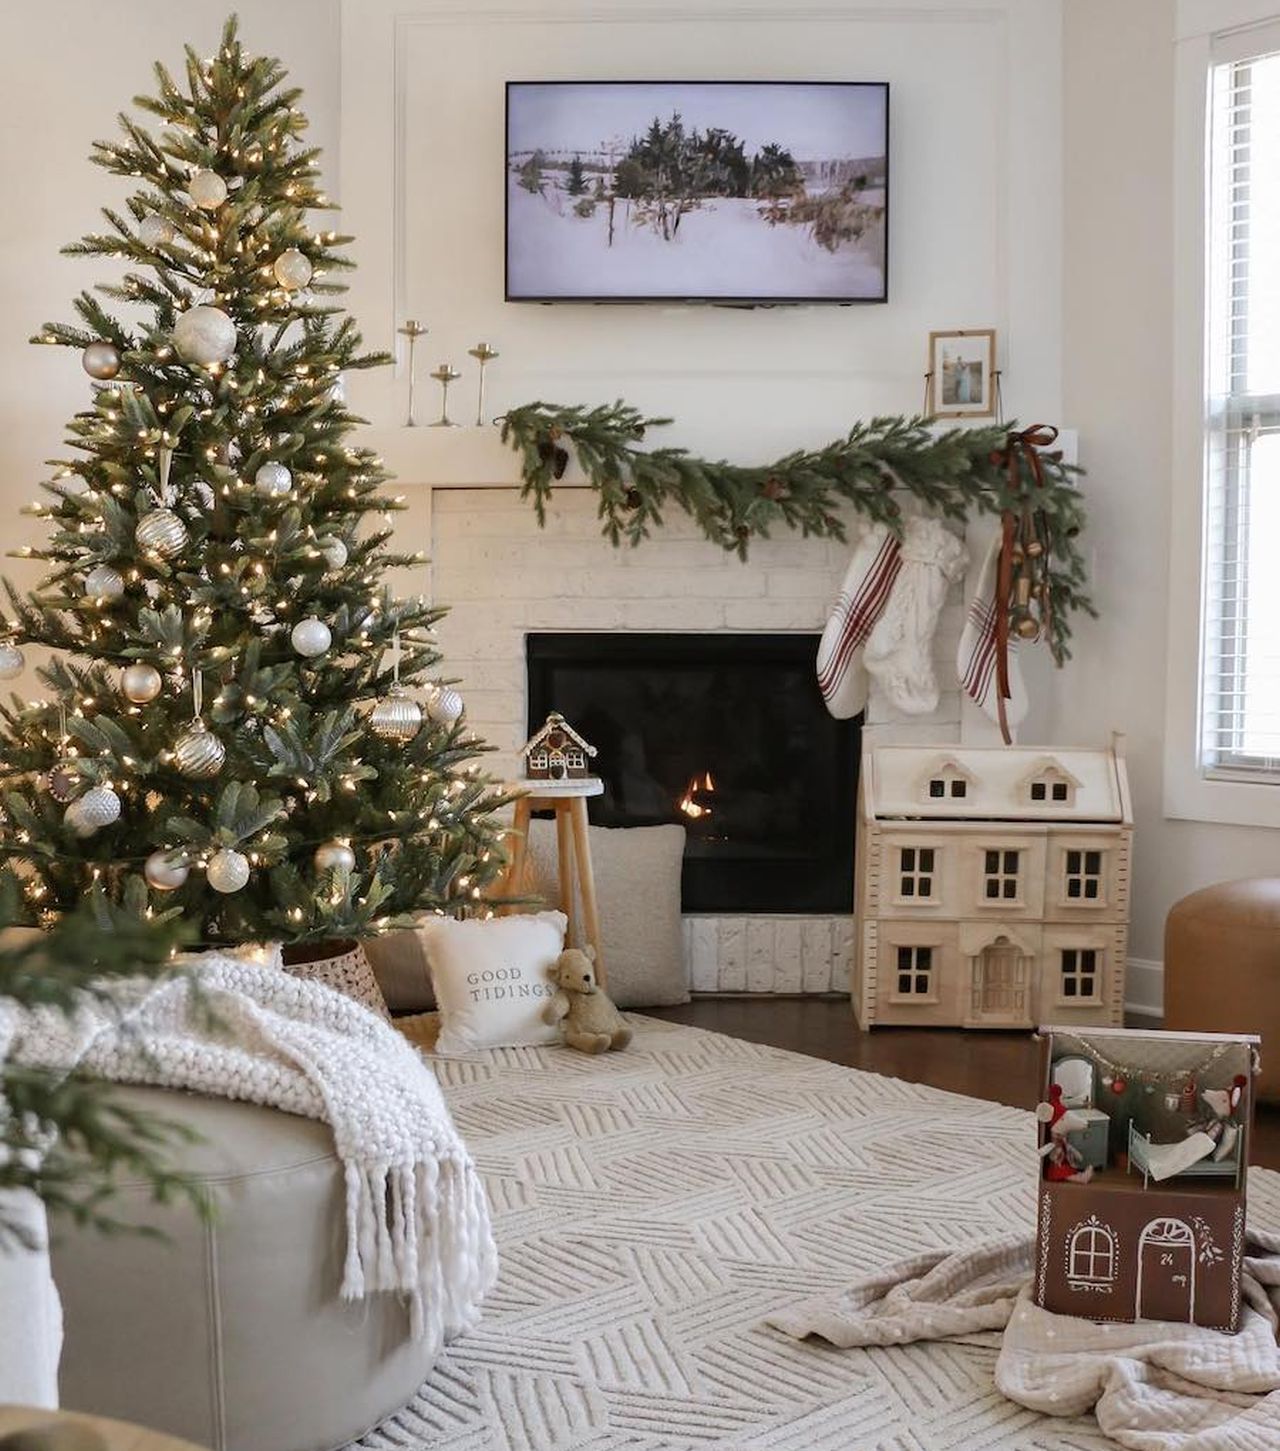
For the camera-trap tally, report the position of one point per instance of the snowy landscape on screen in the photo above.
(696, 190)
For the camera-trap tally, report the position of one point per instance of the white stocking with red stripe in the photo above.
(864, 592)
(976, 657)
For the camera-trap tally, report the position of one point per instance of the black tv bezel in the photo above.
(682, 298)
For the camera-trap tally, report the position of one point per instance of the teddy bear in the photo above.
(588, 1019)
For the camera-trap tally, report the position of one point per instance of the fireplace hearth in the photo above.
(726, 734)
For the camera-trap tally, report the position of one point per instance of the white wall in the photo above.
(1117, 390)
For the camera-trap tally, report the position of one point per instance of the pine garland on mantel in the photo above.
(960, 473)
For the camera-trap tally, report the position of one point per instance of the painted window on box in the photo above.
(1083, 875)
(538, 760)
(915, 972)
(574, 758)
(1079, 973)
(916, 872)
(1000, 875)
(1091, 1254)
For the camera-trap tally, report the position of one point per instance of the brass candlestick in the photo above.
(444, 375)
(412, 330)
(483, 354)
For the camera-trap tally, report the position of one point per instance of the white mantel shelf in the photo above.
(451, 458)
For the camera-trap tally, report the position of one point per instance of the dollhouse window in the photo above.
(915, 972)
(1091, 1254)
(1000, 875)
(537, 760)
(951, 782)
(915, 872)
(1080, 972)
(1083, 876)
(1050, 785)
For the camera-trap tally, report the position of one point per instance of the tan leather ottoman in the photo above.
(1222, 967)
(231, 1334)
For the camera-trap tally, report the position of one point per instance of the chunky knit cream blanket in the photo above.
(417, 1219)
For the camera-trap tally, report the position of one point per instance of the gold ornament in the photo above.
(335, 856)
(198, 753)
(292, 269)
(140, 683)
(101, 360)
(1026, 628)
(397, 718)
(163, 872)
(208, 190)
(161, 533)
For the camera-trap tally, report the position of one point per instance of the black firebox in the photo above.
(726, 734)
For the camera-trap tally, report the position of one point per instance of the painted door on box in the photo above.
(1166, 1271)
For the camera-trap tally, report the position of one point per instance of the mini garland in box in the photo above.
(959, 473)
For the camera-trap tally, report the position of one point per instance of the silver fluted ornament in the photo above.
(398, 717)
(445, 705)
(198, 753)
(162, 533)
(104, 583)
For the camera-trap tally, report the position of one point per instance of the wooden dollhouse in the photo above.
(556, 752)
(1144, 1143)
(993, 886)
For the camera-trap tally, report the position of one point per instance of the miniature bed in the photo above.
(1189, 1158)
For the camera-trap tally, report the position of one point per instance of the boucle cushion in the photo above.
(492, 979)
(637, 872)
(399, 962)
(348, 973)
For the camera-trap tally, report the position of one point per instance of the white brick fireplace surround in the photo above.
(503, 577)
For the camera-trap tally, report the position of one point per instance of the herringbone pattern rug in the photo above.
(653, 1206)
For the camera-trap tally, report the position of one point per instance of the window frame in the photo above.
(929, 972)
(1192, 792)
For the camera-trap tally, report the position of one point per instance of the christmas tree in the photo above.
(231, 732)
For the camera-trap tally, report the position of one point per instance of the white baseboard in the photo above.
(1144, 988)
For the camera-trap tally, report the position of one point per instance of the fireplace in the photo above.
(726, 734)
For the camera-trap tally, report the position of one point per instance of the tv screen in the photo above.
(720, 191)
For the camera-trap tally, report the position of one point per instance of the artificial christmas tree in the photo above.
(217, 743)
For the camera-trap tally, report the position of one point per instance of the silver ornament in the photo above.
(311, 636)
(104, 583)
(208, 190)
(162, 533)
(12, 661)
(98, 807)
(198, 753)
(334, 551)
(445, 705)
(140, 683)
(228, 870)
(163, 872)
(397, 718)
(292, 269)
(335, 856)
(273, 479)
(101, 360)
(204, 335)
(155, 230)
(63, 782)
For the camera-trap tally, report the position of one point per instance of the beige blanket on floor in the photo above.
(1152, 1386)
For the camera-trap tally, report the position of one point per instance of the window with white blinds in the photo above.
(1240, 700)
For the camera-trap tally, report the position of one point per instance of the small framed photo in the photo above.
(962, 374)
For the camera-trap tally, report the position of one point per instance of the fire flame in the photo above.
(700, 785)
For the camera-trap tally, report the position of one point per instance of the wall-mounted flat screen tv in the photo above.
(715, 191)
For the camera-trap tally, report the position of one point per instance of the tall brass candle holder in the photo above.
(412, 330)
(444, 375)
(483, 354)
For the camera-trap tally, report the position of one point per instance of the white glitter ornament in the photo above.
(335, 856)
(311, 637)
(104, 583)
(155, 231)
(204, 335)
(445, 705)
(334, 551)
(98, 807)
(228, 870)
(198, 753)
(273, 479)
(140, 683)
(208, 190)
(101, 361)
(397, 718)
(292, 269)
(162, 533)
(163, 874)
(12, 661)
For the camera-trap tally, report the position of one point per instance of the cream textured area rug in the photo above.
(653, 1206)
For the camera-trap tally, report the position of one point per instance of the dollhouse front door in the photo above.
(998, 994)
(1166, 1271)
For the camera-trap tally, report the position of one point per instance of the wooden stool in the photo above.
(568, 799)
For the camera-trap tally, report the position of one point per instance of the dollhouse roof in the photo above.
(556, 722)
(894, 783)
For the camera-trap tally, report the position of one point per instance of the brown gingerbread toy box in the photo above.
(1144, 1148)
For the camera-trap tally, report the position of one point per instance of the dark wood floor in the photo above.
(997, 1066)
